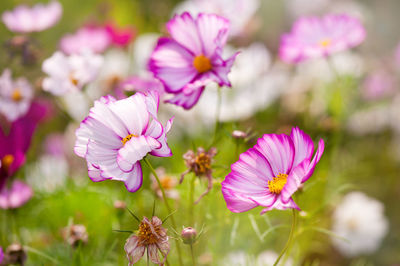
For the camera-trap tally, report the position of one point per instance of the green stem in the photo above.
(191, 202)
(290, 237)
(192, 252)
(178, 247)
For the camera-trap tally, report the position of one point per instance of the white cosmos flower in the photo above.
(69, 73)
(15, 96)
(361, 221)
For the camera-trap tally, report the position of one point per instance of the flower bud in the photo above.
(237, 134)
(189, 235)
(119, 205)
(15, 254)
(75, 234)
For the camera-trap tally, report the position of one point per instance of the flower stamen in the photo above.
(325, 42)
(203, 162)
(7, 160)
(16, 96)
(128, 138)
(202, 63)
(277, 183)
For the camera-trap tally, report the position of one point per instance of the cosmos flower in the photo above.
(269, 173)
(70, 73)
(16, 195)
(225, 8)
(360, 220)
(38, 18)
(15, 96)
(93, 38)
(168, 183)
(378, 85)
(151, 236)
(200, 164)
(14, 145)
(313, 37)
(116, 135)
(192, 57)
(75, 234)
(120, 37)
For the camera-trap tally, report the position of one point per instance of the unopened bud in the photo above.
(119, 204)
(15, 254)
(237, 134)
(189, 235)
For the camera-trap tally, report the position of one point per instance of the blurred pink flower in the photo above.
(313, 37)
(15, 96)
(378, 85)
(151, 236)
(14, 145)
(269, 173)
(1, 254)
(38, 18)
(120, 36)
(136, 83)
(192, 57)
(118, 134)
(17, 195)
(93, 38)
(54, 145)
(69, 73)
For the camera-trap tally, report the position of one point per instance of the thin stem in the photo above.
(217, 114)
(178, 247)
(192, 252)
(191, 202)
(290, 237)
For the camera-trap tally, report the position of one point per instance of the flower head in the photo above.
(69, 73)
(200, 164)
(269, 173)
(15, 96)
(361, 221)
(313, 37)
(16, 196)
(168, 183)
(75, 234)
(14, 145)
(192, 57)
(189, 235)
(38, 18)
(151, 236)
(15, 255)
(92, 38)
(120, 36)
(116, 135)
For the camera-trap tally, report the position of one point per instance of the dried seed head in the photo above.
(76, 234)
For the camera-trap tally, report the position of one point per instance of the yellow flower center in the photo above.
(146, 234)
(325, 42)
(277, 183)
(16, 96)
(128, 138)
(202, 63)
(203, 162)
(167, 182)
(6, 161)
(73, 79)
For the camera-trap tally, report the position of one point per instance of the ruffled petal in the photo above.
(303, 146)
(279, 152)
(280, 205)
(164, 150)
(315, 160)
(186, 100)
(134, 150)
(172, 64)
(294, 180)
(134, 251)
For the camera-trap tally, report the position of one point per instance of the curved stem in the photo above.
(191, 202)
(192, 252)
(290, 237)
(178, 247)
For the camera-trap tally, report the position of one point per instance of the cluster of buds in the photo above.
(200, 164)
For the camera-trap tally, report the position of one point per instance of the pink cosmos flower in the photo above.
(136, 83)
(38, 18)
(93, 38)
(14, 145)
(118, 134)
(17, 195)
(313, 37)
(192, 57)
(269, 173)
(15, 96)
(120, 36)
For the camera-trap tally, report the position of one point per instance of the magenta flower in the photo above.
(17, 195)
(269, 173)
(313, 37)
(14, 145)
(1, 255)
(192, 57)
(118, 134)
(38, 18)
(120, 36)
(92, 38)
(136, 83)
